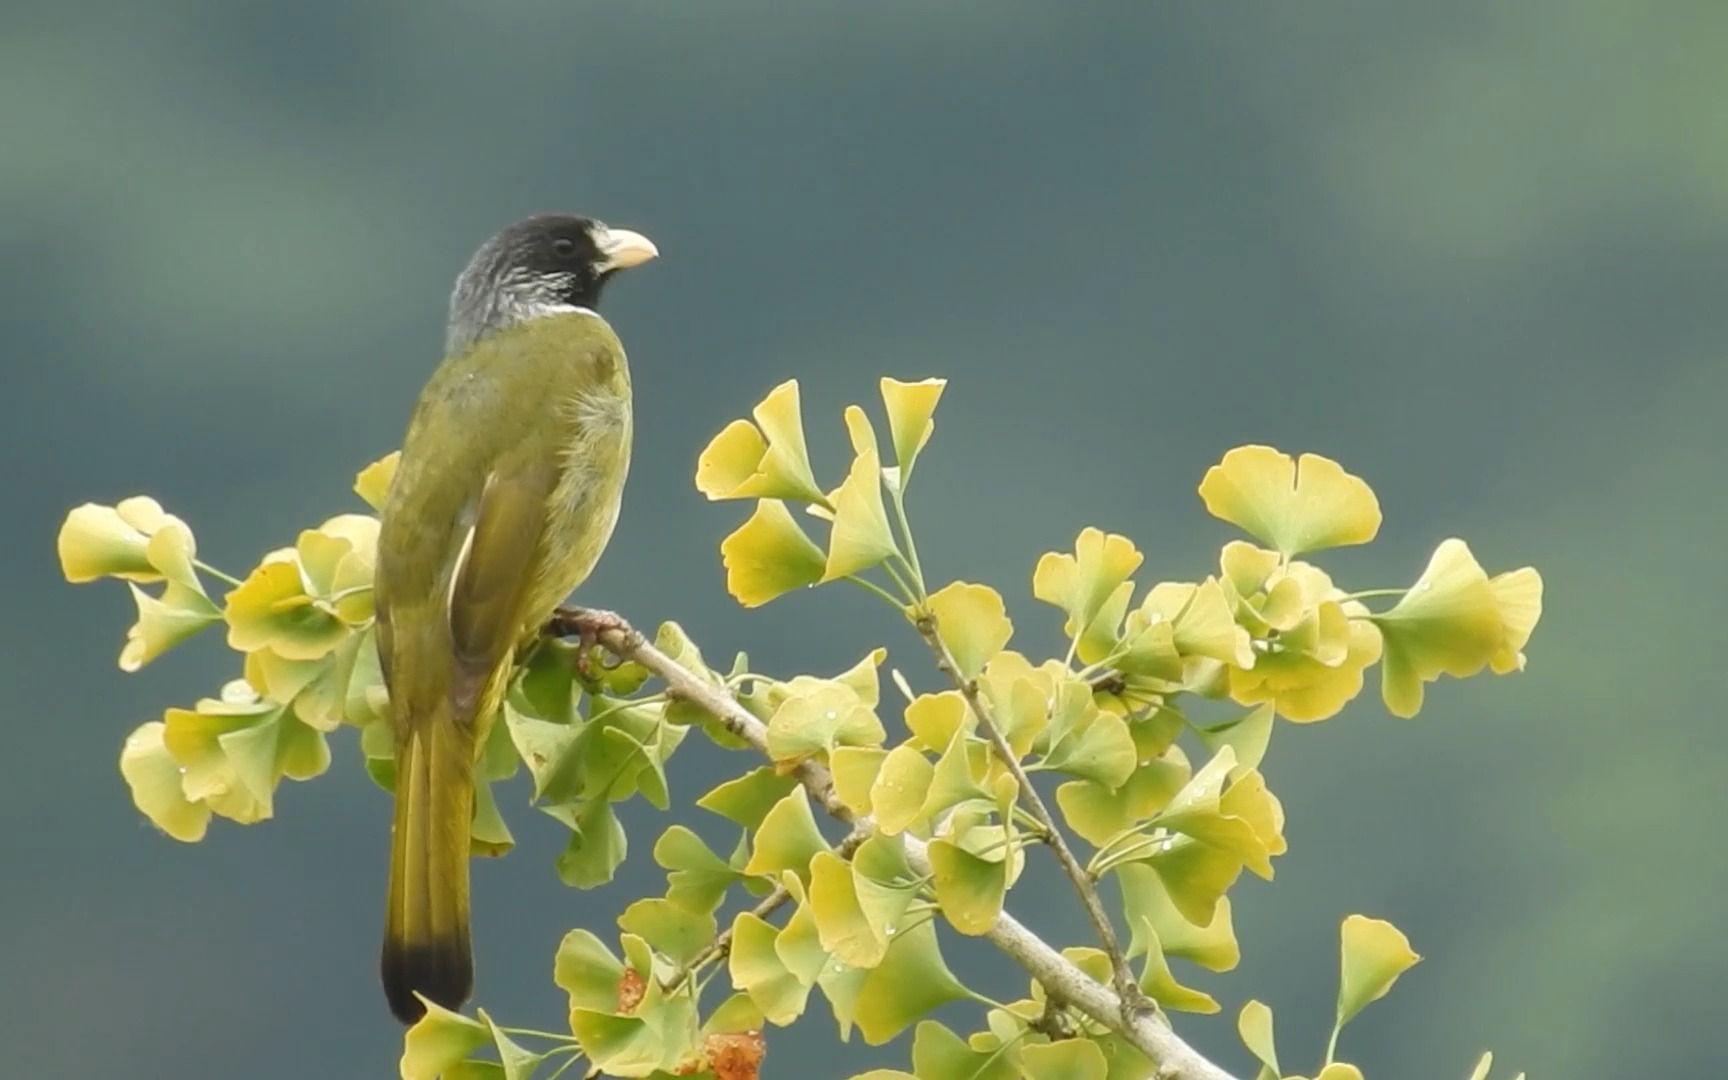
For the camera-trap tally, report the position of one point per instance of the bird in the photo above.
(507, 490)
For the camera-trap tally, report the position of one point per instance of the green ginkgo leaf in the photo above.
(155, 780)
(1254, 1025)
(757, 969)
(972, 622)
(597, 844)
(1247, 737)
(970, 888)
(861, 537)
(1147, 904)
(769, 556)
(1070, 1059)
(696, 876)
(587, 970)
(1161, 985)
(911, 981)
(1373, 953)
(1295, 506)
(910, 407)
(765, 460)
(438, 1040)
(1081, 583)
(675, 931)
(1087, 742)
(746, 800)
(940, 1054)
(787, 839)
(821, 716)
(1098, 812)
(514, 1061)
(164, 622)
(1195, 874)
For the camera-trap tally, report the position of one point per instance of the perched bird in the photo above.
(506, 493)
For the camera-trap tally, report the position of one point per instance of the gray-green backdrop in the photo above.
(1474, 250)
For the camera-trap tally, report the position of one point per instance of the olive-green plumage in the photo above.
(507, 491)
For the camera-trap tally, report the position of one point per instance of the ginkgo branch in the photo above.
(1146, 1030)
(1133, 999)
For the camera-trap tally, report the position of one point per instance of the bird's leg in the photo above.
(587, 624)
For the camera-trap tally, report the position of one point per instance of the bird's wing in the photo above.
(496, 563)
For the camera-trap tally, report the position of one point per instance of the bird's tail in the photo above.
(426, 942)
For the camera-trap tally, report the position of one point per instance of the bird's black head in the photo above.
(543, 265)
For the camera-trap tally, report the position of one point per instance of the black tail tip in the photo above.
(442, 972)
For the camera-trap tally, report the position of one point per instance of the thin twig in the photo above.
(1133, 999)
(1146, 1031)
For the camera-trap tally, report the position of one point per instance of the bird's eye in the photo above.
(563, 247)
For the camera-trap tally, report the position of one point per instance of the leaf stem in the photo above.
(899, 500)
(219, 575)
(865, 583)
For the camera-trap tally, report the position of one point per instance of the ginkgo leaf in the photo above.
(901, 789)
(1081, 583)
(1147, 904)
(372, 483)
(1450, 622)
(438, 1040)
(1161, 986)
(112, 541)
(972, 622)
(861, 537)
(757, 969)
(911, 980)
(1373, 953)
(765, 460)
(940, 1054)
(1070, 1059)
(787, 839)
(970, 888)
(1254, 1025)
(910, 406)
(769, 556)
(675, 931)
(155, 779)
(1295, 506)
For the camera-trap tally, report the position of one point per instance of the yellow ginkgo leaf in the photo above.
(372, 483)
(1200, 621)
(155, 779)
(861, 431)
(1448, 623)
(861, 537)
(1295, 506)
(910, 406)
(113, 541)
(1081, 583)
(972, 622)
(769, 556)
(1519, 596)
(165, 622)
(765, 460)
(1373, 953)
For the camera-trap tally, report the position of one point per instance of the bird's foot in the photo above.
(587, 624)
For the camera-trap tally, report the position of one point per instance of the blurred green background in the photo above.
(1473, 250)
